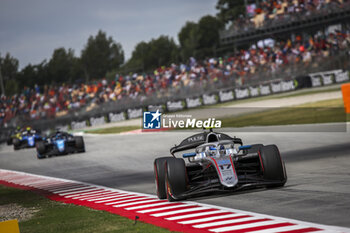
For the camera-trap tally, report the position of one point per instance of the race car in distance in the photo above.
(60, 143)
(13, 134)
(218, 164)
(26, 139)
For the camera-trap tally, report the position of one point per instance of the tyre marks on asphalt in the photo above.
(175, 216)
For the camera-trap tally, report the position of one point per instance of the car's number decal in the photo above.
(226, 171)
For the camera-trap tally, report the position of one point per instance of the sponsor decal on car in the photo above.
(60, 145)
(31, 140)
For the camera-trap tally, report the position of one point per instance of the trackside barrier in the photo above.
(345, 89)
(10, 226)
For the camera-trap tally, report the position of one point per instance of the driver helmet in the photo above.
(212, 150)
(222, 150)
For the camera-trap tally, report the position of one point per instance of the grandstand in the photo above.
(280, 19)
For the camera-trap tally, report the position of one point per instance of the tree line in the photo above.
(102, 56)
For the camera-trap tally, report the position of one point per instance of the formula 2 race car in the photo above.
(219, 163)
(26, 139)
(60, 143)
(16, 133)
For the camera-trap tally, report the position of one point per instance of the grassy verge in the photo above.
(118, 129)
(318, 112)
(51, 216)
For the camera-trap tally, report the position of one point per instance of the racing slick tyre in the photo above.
(39, 156)
(159, 175)
(255, 148)
(175, 179)
(40, 147)
(79, 143)
(272, 165)
(16, 143)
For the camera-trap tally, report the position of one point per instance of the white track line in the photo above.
(105, 194)
(124, 199)
(135, 203)
(89, 194)
(179, 211)
(244, 226)
(41, 183)
(20, 180)
(165, 208)
(86, 192)
(133, 199)
(113, 198)
(211, 218)
(79, 191)
(283, 229)
(196, 215)
(148, 205)
(72, 189)
(224, 222)
(65, 188)
(16, 179)
(95, 197)
(56, 186)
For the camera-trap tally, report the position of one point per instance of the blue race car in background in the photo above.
(60, 143)
(26, 139)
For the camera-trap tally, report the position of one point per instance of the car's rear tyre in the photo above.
(79, 143)
(255, 148)
(175, 179)
(159, 176)
(40, 147)
(16, 143)
(272, 165)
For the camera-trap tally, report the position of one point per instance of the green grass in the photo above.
(318, 112)
(117, 129)
(58, 217)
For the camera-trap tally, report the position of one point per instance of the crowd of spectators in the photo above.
(269, 12)
(238, 69)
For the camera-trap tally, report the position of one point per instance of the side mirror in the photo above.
(245, 147)
(188, 155)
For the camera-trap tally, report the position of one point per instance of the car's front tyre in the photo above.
(175, 179)
(159, 175)
(272, 165)
(255, 148)
(41, 149)
(79, 143)
(16, 143)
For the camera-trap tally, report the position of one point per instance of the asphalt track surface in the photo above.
(317, 163)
